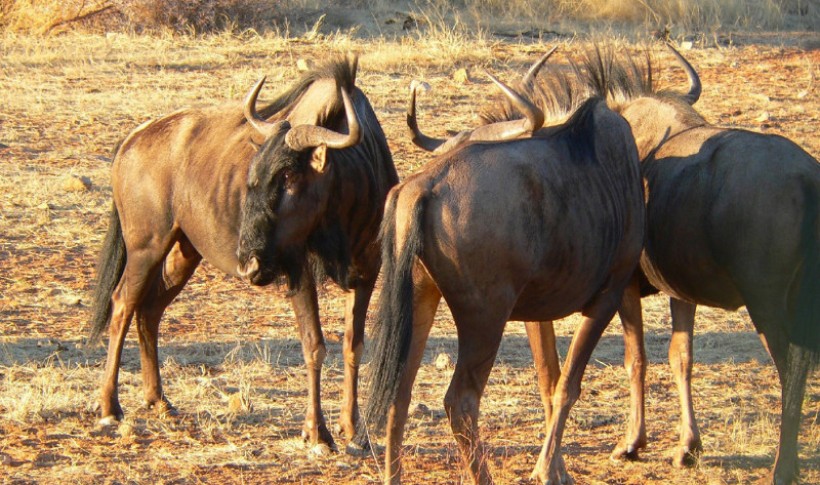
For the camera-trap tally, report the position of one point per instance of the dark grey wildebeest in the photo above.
(530, 229)
(298, 187)
(733, 219)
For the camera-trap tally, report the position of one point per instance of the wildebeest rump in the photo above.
(529, 229)
(186, 185)
(732, 220)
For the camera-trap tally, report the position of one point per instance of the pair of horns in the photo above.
(500, 131)
(304, 137)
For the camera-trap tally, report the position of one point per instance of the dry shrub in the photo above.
(689, 15)
(202, 16)
(47, 17)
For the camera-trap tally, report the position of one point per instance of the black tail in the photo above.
(394, 319)
(109, 271)
(805, 327)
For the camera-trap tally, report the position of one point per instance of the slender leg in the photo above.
(597, 317)
(138, 275)
(792, 364)
(478, 341)
(353, 347)
(681, 359)
(426, 298)
(179, 265)
(306, 307)
(635, 365)
(545, 357)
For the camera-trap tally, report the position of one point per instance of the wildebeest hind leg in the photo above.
(178, 267)
(596, 318)
(426, 298)
(138, 275)
(771, 325)
(635, 365)
(680, 360)
(479, 337)
(545, 359)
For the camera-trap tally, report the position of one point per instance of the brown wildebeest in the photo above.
(732, 219)
(529, 229)
(187, 185)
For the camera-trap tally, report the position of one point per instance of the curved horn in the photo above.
(536, 67)
(419, 139)
(304, 137)
(508, 130)
(695, 87)
(264, 127)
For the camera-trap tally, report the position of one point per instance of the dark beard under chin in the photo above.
(326, 255)
(329, 255)
(286, 269)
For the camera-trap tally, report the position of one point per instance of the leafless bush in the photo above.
(46, 17)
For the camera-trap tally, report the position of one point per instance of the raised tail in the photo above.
(109, 271)
(393, 330)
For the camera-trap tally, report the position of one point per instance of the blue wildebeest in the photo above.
(504, 228)
(204, 182)
(733, 219)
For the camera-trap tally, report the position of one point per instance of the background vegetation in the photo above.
(44, 16)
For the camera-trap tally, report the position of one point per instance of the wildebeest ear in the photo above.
(318, 160)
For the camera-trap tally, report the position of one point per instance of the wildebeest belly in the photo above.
(694, 280)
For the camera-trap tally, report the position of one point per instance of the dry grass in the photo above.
(230, 359)
(439, 18)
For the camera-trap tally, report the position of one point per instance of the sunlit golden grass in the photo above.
(230, 358)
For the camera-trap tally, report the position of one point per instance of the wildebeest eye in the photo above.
(290, 179)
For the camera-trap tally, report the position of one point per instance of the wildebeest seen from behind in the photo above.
(310, 171)
(733, 218)
(530, 229)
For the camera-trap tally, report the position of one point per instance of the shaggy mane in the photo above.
(341, 69)
(601, 72)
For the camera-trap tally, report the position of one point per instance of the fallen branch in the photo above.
(78, 18)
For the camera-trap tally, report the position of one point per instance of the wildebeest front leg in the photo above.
(179, 265)
(545, 358)
(306, 307)
(355, 314)
(635, 365)
(596, 318)
(680, 359)
(139, 272)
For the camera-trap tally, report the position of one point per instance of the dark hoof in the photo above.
(360, 450)
(324, 438)
(320, 450)
(163, 409)
(110, 420)
(625, 453)
(687, 458)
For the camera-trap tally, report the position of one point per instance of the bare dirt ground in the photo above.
(231, 362)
